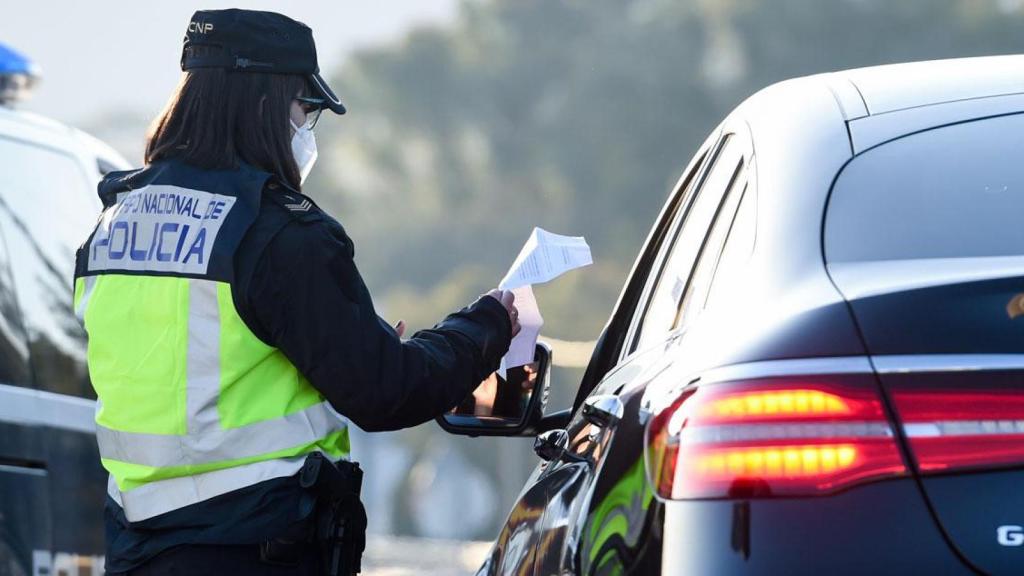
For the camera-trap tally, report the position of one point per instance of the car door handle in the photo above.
(603, 411)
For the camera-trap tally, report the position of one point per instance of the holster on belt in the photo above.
(340, 516)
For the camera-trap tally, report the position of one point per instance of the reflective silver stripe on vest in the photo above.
(164, 496)
(202, 370)
(89, 283)
(219, 445)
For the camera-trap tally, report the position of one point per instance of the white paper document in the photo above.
(544, 257)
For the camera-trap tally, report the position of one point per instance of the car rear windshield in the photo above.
(950, 192)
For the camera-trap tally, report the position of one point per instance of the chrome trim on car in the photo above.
(789, 367)
(964, 428)
(883, 364)
(723, 434)
(39, 408)
(22, 470)
(657, 398)
(906, 363)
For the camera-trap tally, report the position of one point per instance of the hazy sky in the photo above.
(104, 55)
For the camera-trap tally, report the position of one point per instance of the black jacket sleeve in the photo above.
(308, 300)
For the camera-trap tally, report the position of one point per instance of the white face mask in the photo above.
(304, 149)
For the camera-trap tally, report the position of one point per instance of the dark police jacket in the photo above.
(297, 288)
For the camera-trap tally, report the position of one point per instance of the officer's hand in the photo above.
(507, 299)
(400, 328)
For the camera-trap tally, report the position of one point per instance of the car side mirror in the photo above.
(510, 405)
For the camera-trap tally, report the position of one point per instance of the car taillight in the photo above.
(777, 437)
(950, 430)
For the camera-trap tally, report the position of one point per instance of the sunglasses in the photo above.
(312, 107)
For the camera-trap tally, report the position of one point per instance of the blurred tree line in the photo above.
(576, 116)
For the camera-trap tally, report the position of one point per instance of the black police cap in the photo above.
(254, 41)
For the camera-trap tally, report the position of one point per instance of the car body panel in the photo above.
(938, 294)
(557, 496)
(19, 540)
(622, 510)
(954, 318)
(973, 507)
(882, 528)
(514, 551)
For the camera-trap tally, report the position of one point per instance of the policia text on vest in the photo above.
(171, 227)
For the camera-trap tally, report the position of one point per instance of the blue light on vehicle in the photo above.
(18, 75)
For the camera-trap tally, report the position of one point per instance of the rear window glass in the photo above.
(951, 192)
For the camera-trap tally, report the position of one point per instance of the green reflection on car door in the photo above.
(617, 522)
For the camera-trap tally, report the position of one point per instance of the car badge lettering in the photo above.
(1010, 535)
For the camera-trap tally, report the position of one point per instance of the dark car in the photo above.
(51, 483)
(816, 365)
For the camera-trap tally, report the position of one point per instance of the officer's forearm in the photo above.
(412, 382)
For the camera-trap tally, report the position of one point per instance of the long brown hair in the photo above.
(217, 118)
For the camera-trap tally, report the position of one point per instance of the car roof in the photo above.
(43, 131)
(31, 126)
(900, 86)
(881, 103)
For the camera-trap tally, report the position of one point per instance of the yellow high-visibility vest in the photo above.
(191, 403)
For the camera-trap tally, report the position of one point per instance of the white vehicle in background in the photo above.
(51, 484)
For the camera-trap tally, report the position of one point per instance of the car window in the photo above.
(643, 280)
(738, 246)
(700, 282)
(951, 192)
(659, 315)
(614, 343)
(47, 208)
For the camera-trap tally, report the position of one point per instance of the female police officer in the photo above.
(230, 334)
